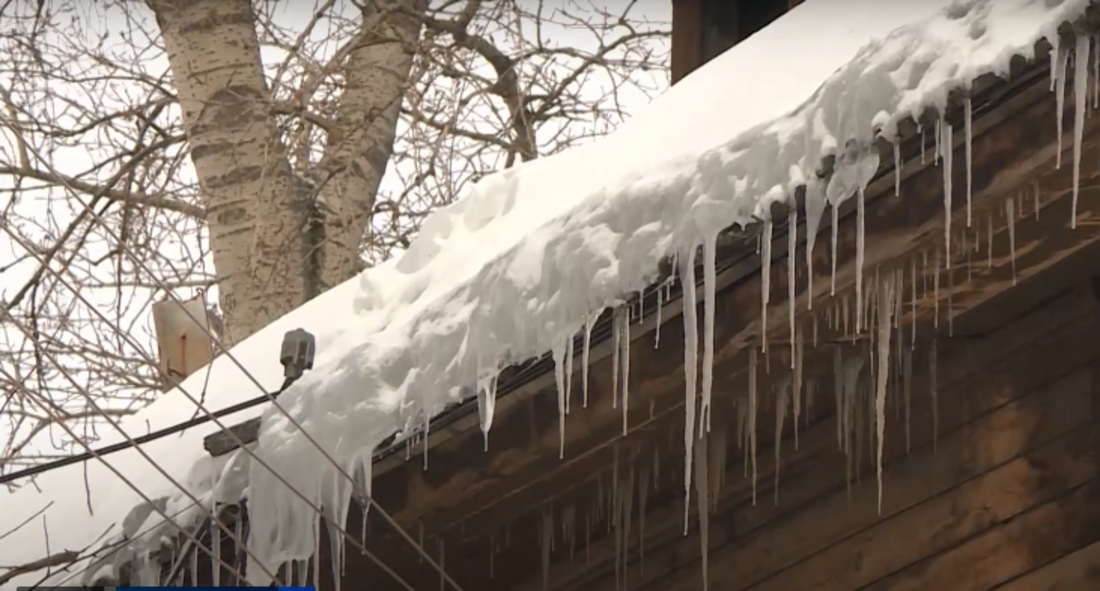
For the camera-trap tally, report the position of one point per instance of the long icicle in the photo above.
(835, 225)
(969, 117)
(710, 246)
(882, 355)
(586, 356)
(702, 488)
(948, 152)
(1061, 55)
(691, 350)
(1080, 87)
(1010, 217)
(861, 218)
(559, 377)
(624, 358)
(765, 283)
(792, 247)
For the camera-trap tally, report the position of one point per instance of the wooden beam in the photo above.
(687, 37)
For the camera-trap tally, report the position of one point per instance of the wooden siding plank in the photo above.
(1036, 537)
(982, 376)
(809, 531)
(1079, 571)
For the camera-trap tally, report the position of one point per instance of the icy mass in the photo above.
(528, 258)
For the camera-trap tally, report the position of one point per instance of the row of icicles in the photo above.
(874, 314)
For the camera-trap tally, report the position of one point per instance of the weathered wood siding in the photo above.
(1004, 497)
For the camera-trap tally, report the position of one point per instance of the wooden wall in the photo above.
(1004, 496)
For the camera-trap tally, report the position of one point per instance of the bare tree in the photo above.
(256, 154)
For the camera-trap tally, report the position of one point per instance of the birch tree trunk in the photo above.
(275, 241)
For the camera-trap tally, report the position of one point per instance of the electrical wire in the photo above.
(234, 436)
(192, 537)
(27, 333)
(209, 416)
(136, 441)
(95, 216)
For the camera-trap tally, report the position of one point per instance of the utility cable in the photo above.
(136, 441)
(97, 218)
(291, 370)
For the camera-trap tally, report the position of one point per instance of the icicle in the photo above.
(923, 146)
(590, 322)
(752, 418)
(835, 230)
(948, 152)
(897, 167)
(939, 142)
(616, 362)
(936, 293)
(1055, 52)
(486, 403)
(1038, 196)
(1010, 215)
(558, 354)
(796, 395)
(1061, 55)
(792, 247)
(1080, 87)
(424, 437)
(216, 548)
(860, 240)
(886, 294)
(969, 116)
(765, 284)
(710, 245)
(913, 303)
(624, 357)
(1095, 76)
(950, 303)
(782, 393)
(815, 210)
(660, 306)
(702, 489)
(317, 552)
(691, 350)
(569, 353)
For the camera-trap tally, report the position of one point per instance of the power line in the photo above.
(136, 441)
(96, 217)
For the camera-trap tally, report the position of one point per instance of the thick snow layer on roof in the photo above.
(524, 259)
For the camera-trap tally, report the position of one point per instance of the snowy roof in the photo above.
(518, 265)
